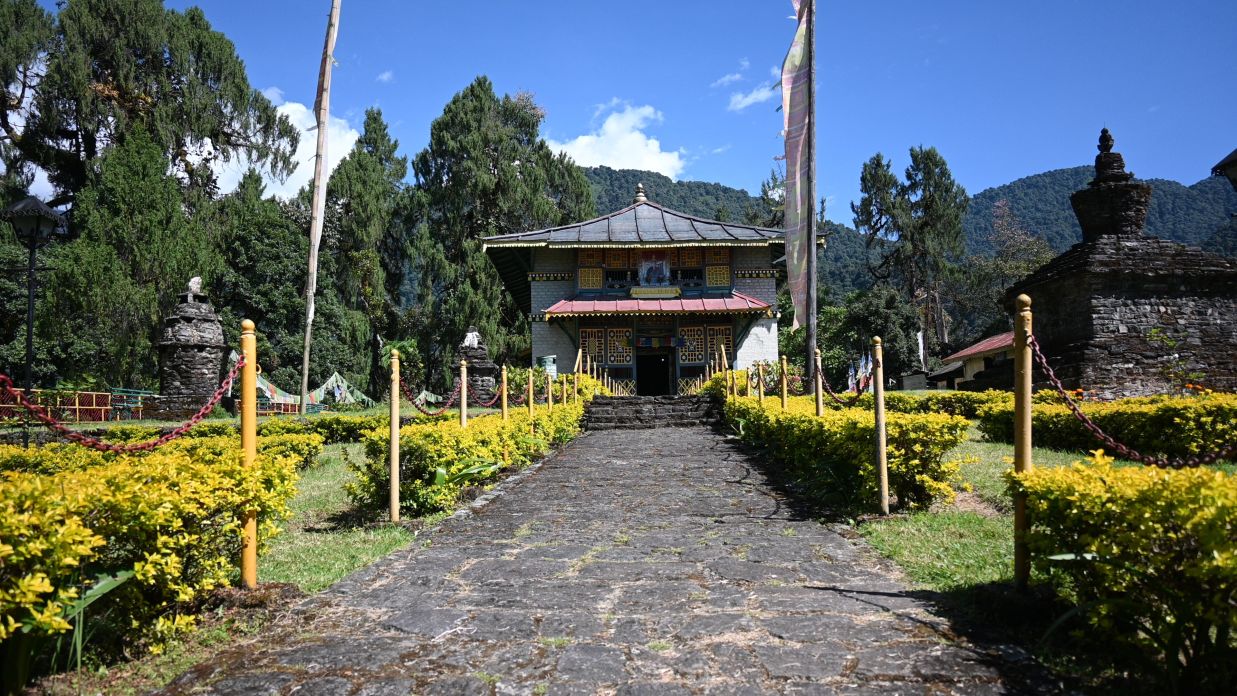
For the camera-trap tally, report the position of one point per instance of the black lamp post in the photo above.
(1227, 168)
(36, 225)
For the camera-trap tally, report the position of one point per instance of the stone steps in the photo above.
(646, 412)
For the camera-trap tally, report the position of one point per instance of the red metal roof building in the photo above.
(962, 366)
(647, 292)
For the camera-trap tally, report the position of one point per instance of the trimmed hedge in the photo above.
(1159, 425)
(427, 447)
(833, 456)
(1152, 554)
(62, 456)
(170, 517)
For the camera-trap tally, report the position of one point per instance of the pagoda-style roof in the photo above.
(641, 224)
(730, 303)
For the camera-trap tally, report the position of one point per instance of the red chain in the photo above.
(829, 390)
(477, 400)
(1226, 452)
(86, 441)
(416, 403)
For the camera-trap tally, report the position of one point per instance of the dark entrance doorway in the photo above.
(654, 374)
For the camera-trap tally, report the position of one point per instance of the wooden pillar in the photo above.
(249, 448)
(393, 452)
(878, 391)
(760, 383)
(503, 392)
(819, 385)
(1023, 366)
(463, 393)
(784, 383)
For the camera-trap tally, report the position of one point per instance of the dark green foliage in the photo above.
(1191, 215)
(614, 189)
(136, 250)
(882, 312)
(485, 172)
(102, 68)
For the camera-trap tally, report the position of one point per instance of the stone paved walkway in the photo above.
(651, 562)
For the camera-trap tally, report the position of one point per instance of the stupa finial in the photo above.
(639, 194)
(1106, 141)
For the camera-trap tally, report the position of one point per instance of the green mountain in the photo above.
(1197, 215)
(614, 189)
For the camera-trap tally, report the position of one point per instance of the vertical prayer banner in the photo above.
(797, 112)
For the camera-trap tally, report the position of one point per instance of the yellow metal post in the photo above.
(784, 383)
(1022, 434)
(878, 391)
(760, 383)
(549, 394)
(820, 382)
(249, 445)
(463, 393)
(394, 454)
(530, 396)
(503, 392)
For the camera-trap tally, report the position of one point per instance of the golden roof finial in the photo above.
(639, 194)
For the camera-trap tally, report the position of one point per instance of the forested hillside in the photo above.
(1197, 215)
(613, 189)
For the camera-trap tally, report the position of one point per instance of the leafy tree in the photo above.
(881, 311)
(975, 288)
(485, 172)
(913, 229)
(109, 289)
(82, 81)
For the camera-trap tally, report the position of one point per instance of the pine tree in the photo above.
(486, 171)
(79, 82)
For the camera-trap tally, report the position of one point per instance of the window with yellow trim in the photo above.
(720, 336)
(714, 256)
(616, 258)
(593, 343)
(690, 257)
(618, 346)
(591, 278)
(717, 276)
(692, 348)
(590, 257)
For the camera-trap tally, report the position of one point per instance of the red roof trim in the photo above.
(733, 304)
(988, 346)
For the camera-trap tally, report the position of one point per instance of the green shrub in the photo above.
(1160, 425)
(62, 456)
(1149, 554)
(488, 442)
(171, 519)
(833, 456)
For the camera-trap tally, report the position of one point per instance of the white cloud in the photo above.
(621, 142)
(744, 64)
(385, 76)
(340, 139)
(274, 94)
(719, 150)
(762, 93)
(726, 79)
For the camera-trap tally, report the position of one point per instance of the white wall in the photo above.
(759, 345)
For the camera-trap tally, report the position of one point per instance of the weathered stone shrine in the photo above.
(482, 372)
(190, 354)
(1097, 304)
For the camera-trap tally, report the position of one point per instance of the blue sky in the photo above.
(1002, 89)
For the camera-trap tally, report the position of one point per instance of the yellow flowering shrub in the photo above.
(1159, 425)
(1150, 553)
(833, 456)
(170, 517)
(57, 457)
(427, 447)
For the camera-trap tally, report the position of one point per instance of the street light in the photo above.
(1227, 168)
(36, 225)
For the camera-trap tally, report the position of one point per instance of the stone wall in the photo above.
(551, 339)
(760, 344)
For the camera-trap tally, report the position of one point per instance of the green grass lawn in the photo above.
(326, 539)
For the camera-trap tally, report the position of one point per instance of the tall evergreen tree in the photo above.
(913, 229)
(76, 83)
(486, 171)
